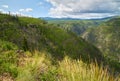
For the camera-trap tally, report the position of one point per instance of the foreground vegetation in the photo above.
(17, 65)
(39, 67)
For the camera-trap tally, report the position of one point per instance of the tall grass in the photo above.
(76, 70)
(32, 67)
(40, 68)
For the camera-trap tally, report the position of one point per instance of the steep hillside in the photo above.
(76, 26)
(34, 34)
(107, 38)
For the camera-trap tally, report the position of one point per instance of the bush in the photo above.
(9, 68)
(50, 75)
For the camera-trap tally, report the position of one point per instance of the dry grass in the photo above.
(39, 68)
(73, 70)
(32, 67)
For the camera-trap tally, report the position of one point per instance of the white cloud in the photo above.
(84, 8)
(5, 6)
(1, 10)
(29, 9)
(26, 10)
(15, 13)
(20, 14)
(22, 10)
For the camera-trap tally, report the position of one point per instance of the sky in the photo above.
(84, 9)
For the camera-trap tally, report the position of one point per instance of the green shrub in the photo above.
(8, 68)
(5, 46)
(50, 75)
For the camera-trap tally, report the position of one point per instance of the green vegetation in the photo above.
(39, 67)
(107, 38)
(8, 58)
(104, 34)
(67, 70)
(76, 26)
(35, 34)
(33, 50)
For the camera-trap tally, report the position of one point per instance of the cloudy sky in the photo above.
(62, 8)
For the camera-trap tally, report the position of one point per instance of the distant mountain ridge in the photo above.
(67, 18)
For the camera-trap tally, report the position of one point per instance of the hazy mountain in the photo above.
(68, 18)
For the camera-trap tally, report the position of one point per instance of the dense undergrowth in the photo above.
(39, 67)
(17, 65)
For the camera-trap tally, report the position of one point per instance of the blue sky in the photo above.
(62, 8)
(36, 8)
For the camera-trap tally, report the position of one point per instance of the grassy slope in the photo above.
(34, 34)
